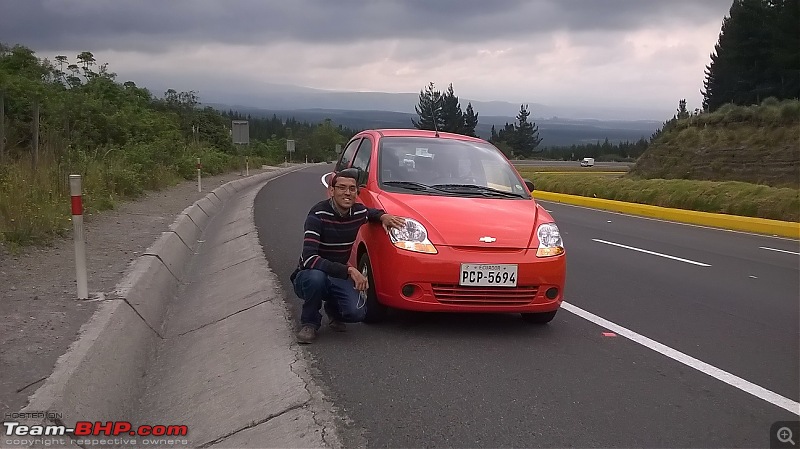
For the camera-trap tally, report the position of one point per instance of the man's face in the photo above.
(344, 192)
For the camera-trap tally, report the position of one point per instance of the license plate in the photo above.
(487, 275)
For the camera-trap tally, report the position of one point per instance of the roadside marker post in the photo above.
(199, 182)
(80, 240)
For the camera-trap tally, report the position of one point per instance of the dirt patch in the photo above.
(41, 315)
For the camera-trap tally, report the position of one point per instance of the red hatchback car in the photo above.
(474, 240)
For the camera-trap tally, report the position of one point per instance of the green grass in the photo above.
(728, 197)
(35, 205)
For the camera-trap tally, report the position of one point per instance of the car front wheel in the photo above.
(539, 318)
(376, 311)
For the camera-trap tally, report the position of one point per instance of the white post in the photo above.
(247, 166)
(306, 159)
(199, 183)
(80, 241)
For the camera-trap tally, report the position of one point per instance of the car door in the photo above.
(363, 161)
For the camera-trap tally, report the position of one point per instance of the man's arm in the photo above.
(374, 215)
(387, 220)
(311, 257)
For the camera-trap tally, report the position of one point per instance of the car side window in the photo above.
(347, 155)
(362, 158)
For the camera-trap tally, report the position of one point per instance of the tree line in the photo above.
(757, 55)
(316, 141)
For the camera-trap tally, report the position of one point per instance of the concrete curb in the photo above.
(258, 387)
(732, 222)
(100, 376)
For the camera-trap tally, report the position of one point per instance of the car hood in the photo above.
(459, 221)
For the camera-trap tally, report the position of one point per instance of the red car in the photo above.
(474, 240)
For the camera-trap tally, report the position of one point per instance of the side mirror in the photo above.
(529, 183)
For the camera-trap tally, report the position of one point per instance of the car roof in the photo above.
(412, 132)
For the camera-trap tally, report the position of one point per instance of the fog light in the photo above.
(409, 290)
(551, 293)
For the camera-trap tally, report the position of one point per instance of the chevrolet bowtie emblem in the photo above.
(487, 239)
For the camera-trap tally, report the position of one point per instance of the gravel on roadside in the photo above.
(41, 316)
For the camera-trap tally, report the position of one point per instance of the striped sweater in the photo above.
(329, 237)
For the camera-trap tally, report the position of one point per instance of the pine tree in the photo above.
(452, 115)
(508, 135)
(471, 121)
(682, 111)
(429, 109)
(756, 55)
(526, 134)
(786, 54)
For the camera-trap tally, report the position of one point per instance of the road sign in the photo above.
(240, 132)
(290, 146)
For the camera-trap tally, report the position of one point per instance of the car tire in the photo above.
(539, 318)
(376, 312)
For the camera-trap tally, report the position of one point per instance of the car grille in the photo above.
(478, 296)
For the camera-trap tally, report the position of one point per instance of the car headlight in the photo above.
(413, 237)
(550, 243)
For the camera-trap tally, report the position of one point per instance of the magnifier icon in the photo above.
(785, 435)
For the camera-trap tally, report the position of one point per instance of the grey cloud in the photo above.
(153, 25)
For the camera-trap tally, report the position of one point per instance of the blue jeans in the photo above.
(342, 301)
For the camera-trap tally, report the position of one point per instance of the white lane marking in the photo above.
(779, 250)
(652, 252)
(724, 376)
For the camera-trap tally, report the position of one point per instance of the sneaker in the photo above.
(307, 334)
(337, 326)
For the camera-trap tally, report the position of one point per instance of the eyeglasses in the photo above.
(351, 189)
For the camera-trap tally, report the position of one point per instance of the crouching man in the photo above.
(323, 275)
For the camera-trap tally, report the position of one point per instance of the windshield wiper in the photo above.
(471, 188)
(411, 185)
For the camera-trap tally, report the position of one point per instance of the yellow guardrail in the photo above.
(733, 222)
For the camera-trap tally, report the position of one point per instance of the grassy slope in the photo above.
(758, 145)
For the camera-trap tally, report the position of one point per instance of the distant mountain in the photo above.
(554, 131)
(290, 97)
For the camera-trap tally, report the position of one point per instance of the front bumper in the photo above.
(435, 280)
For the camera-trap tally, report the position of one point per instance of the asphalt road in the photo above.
(495, 381)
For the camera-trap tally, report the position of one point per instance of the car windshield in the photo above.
(455, 166)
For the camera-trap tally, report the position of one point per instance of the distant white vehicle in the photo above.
(587, 162)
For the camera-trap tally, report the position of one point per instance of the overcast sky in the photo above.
(644, 54)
